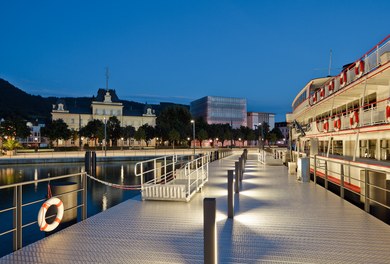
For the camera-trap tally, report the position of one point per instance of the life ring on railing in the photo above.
(322, 93)
(354, 119)
(331, 86)
(43, 225)
(314, 98)
(326, 125)
(359, 68)
(337, 123)
(388, 112)
(343, 78)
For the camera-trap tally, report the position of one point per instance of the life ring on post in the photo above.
(43, 225)
(326, 125)
(337, 123)
(354, 119)
(359, 68)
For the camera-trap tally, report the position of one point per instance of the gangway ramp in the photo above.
(170, 182)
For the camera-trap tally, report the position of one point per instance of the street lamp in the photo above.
(122, 143)
(105, 137)
(262, 135)
(193, 132)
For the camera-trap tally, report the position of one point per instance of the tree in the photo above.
(173, 136)
(93, 130)
(202, 135)
(113, 129)
(149, 133)
(11, 144)
(14, 128)
(140, 134)
(57, 130)
(174, 117)
(127, 132)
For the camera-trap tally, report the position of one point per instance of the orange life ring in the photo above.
(388, 113)
(326, 125)
(322, 93)
(331, 86)
(359, 68)
(343, 78)
(354, 119)
(43, 225)
(337, 123)
(314, 98)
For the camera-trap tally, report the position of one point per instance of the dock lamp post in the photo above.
(262, 136)
(193, 132)
(105, 137)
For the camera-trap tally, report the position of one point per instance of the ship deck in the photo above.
(277, 220)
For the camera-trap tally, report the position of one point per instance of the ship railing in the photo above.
(22, 204)
(369, 114)
(374, 58)
(369, 184)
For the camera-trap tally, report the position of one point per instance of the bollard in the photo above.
(230, 195)
(210, 231)
(87, 162)
(68, 192)
(237, 174)
(93, 164)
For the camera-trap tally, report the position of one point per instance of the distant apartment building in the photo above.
(104, 106)
(283, 128)
(220, 110)
(255, 118)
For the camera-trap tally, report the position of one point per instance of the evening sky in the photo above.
(179, 51)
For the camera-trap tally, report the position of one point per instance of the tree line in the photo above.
(173, 125)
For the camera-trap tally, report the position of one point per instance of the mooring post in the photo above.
(210, 231)
(93, 163)
(87, 162)
(230, 195)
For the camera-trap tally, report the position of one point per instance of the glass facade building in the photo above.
(220, 110)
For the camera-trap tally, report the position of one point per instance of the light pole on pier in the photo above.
(193, 132)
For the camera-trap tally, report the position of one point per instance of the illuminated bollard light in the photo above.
(230, 195)
(210, 231)
(237, 174)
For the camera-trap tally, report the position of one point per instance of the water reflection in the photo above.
(100, 197)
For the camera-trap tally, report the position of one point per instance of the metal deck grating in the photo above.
(277, 220)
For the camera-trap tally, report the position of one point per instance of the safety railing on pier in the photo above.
(165, 178)
(23, 204)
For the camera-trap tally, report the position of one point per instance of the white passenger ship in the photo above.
(343, 124)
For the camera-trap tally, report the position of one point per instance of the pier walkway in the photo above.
(277, 220)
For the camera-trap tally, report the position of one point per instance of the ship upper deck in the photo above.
(277, 220)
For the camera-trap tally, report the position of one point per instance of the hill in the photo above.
(15, 103)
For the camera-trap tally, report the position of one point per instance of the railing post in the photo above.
(230, 195)
(315, 170)
(84, 194)
(237, 173)
(210, 231)
(326, 174)
(341, 180)
(155, 171)
(17, 218)
(366, 192)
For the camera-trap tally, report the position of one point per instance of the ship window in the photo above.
(337, 147)
(367, 148)
(385, 149)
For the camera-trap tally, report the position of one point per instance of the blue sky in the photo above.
(179, 51)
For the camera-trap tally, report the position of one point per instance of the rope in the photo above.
(118, 186)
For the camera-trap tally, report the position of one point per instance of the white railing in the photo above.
(377, 56)
(168, 181)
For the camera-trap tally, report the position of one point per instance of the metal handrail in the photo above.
(18, 204)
